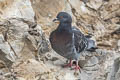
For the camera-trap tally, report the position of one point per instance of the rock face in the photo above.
(25, 26)
(19, 33)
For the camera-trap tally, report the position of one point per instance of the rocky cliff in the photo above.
(25, 52)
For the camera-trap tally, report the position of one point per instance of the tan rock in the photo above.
(95, 4)
(98, 17)
(46, 10)
(30, 69)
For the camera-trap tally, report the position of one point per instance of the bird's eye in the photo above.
(61, 17)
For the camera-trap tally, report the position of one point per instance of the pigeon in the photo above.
(68, 41)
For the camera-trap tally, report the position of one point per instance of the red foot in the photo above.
(69, 64)
(77, 67)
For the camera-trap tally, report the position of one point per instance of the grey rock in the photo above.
(118, 45)
(114, 74)
(8, 63)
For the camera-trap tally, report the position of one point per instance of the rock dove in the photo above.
(68, 41)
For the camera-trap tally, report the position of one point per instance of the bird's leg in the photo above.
(77, 67)
(69, 64)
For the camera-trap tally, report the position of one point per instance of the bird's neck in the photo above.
(64, 27)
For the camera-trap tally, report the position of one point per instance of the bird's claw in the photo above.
(77, 68)
(69, 64)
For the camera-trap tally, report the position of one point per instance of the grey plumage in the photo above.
(68, 41)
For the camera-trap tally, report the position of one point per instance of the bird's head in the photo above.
(63, 17)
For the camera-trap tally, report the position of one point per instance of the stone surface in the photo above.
(20, 9)
(115, 72)
(17, 36)
(25, 26)
(95, 4)
(118, 45)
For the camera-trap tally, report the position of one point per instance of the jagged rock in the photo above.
(19, 9)
(117, 31)
(117, 77)
(118, 44)
(24, 30)
(46, 13)
(30, 69)
(7, 62)
(15, 27)
(6, 50)
(95, 4)
(114, 74)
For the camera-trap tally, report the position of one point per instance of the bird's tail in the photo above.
(91, 45)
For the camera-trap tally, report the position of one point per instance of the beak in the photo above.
(56, 20)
